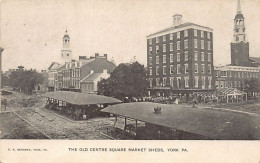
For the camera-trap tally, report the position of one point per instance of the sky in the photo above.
(31, 31)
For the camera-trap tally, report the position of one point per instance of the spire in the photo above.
(239, 7)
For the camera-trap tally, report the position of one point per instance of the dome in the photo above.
(239, 16)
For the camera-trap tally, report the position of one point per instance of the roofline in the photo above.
(177, 29)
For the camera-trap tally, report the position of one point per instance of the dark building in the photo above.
(180, 58)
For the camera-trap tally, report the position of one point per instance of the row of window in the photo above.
(178, 58)
(68, 83)
(71, 73)
(238, 74)
(186, 82)
(178, 69)
(229, 84)
(179, 46)
(157, 39)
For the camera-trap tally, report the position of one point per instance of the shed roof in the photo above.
(80, 98)
(216, 124)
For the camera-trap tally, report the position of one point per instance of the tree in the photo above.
(5, 80)
(25, 80)
(125, 81)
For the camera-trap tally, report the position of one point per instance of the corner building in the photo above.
(180, 59)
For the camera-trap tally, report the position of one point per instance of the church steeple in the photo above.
(239, 7)
(66, 51)
(239, 26)
(239, 45)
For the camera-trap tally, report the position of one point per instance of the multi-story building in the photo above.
(180, 58)
(83, 75)
(242, 66)
(52, 84)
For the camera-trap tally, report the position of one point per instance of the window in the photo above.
(157, 48)
(164, 38)
(171, 46)
(208, 34)
(171, 69)
(202, 44)
(178, 82)
(202, 68)
(164, 58)
(186, 67)
(209, 57)
(186, 33)
(186, 80)
(209, 80)
(157, 59)
(171, 82)
(171, 58)
(157, 70)
(209, 45)
(196, 81)
(171, 36)
(164, 70)
(209, 68)
(203, 82)
(151, 71)
(151, 83)
(150, 41)
(150, 60)
(164, 47)
(178, 57)
(164, 81)
(178, 34)
(196, 68)
(157, 39)
(202, 34)
(238, 75)
(178, 45)
(186, 56)
(202, 56)
(157, 82)
(178, 69)
(195, 43)
(150, 50)
(195, 32)
(195, 56)
(185, 44)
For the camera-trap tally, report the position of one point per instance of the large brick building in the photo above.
(180, 58)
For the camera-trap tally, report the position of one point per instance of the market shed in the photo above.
(231, 94)
(179, 122)
(78, 105)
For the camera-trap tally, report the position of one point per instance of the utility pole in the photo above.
(1, 50)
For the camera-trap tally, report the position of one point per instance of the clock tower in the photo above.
(239, 45)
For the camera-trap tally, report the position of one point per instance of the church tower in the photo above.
(66, 51)
(239, 45)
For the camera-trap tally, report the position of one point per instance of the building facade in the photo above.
(74, 75)
(180, 58)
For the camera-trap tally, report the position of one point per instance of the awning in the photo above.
(216, 124)
(80, 98)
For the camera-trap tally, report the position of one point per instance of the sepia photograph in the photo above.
(136, 71)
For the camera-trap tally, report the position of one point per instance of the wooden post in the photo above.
(227, 98)
(125, 122)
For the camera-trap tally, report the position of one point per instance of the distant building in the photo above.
(83, 75)
(43, 87)
(53, 77)
(180, 58)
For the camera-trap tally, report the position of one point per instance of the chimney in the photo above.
(177, 19)
(96, 55)
(91, 71)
